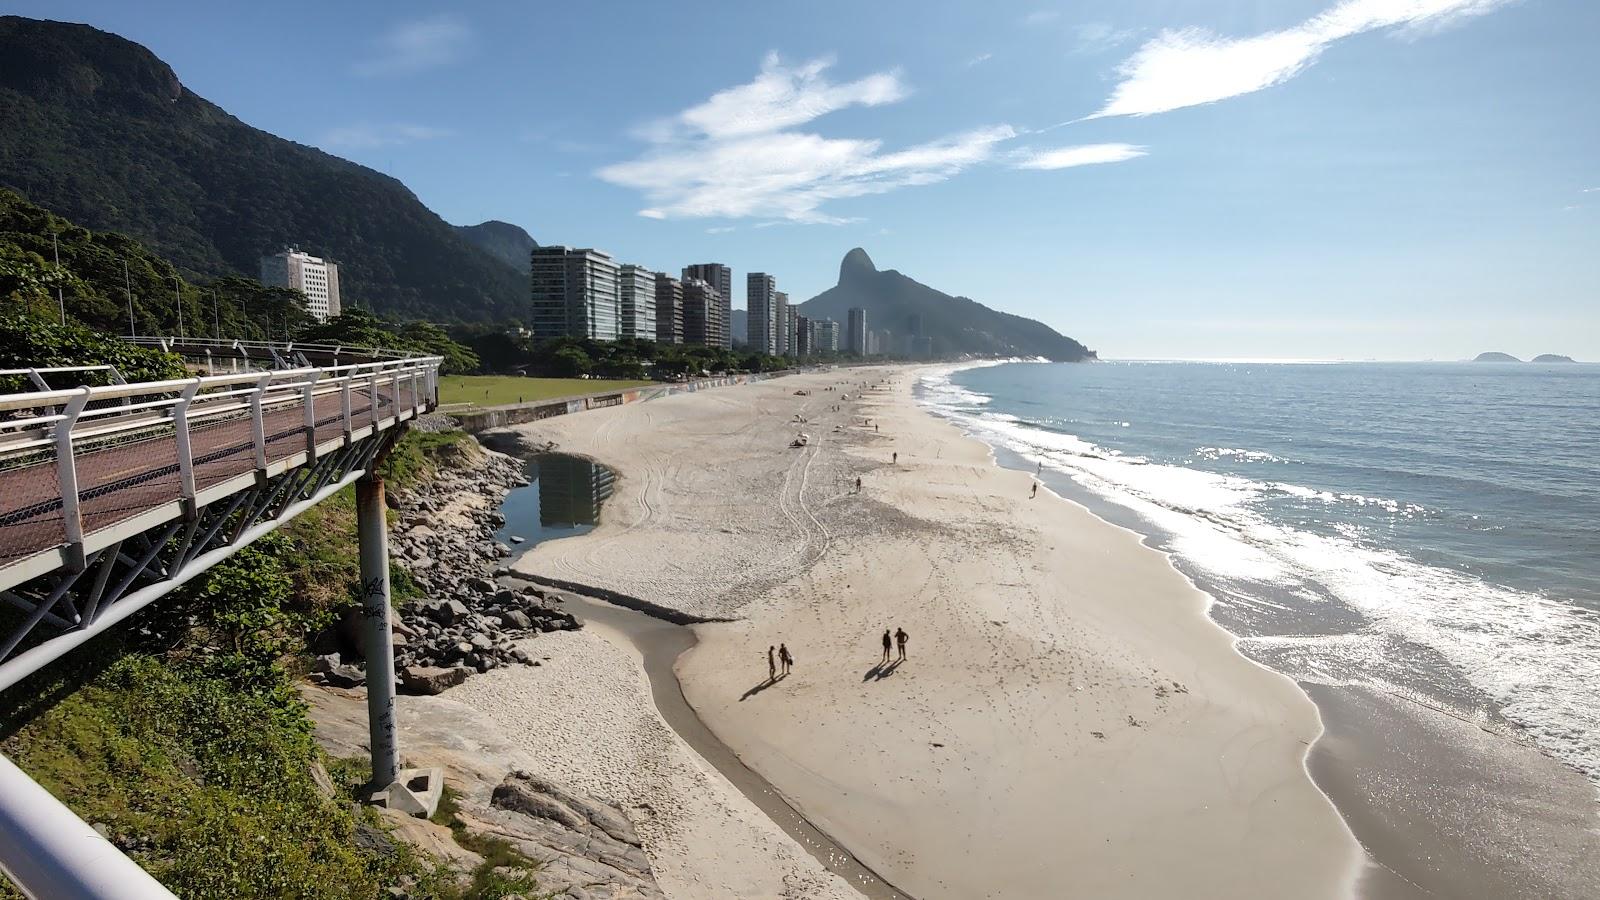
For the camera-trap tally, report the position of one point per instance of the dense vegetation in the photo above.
(104, 278)
(499, 351)
(35, 342)
(359, 328)
(97, 128)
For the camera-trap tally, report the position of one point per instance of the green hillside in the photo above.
(99, 130)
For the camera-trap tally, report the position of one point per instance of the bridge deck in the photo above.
(117, 483)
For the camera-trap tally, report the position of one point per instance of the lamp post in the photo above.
(177, 295)
(127, 285)
(60, 301)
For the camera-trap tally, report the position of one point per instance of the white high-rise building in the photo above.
(636, 295)
(316, 278)
(780, 324)
(574, 294)
(761, 301)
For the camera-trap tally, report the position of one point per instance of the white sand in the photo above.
(1069, 722)
(586, 717)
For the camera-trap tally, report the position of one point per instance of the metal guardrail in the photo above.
(281, 355)
(112, 497)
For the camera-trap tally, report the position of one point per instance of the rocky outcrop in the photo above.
(464, 623)
(587, 850)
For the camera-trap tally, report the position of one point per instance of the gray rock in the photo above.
(431, 680)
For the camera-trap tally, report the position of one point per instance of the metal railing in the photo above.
(112, 497)
(267, 351)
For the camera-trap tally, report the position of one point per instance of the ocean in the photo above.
(1427, 529)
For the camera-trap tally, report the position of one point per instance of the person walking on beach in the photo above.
(858, 484)
(772, 663)
(900, 637)
(888, 642)
(1035, 492)
(785, 658)
(896, 458)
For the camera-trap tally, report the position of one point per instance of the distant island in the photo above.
(1506, 357)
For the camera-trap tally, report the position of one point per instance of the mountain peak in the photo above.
(856, 263)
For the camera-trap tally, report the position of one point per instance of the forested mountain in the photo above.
(502, 240)
(97, 129)
(957, 324)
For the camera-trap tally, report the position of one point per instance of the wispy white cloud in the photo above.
(1081, 155)
(980, 59)
(1590, 190)
(780, 97)
(1194, 66)
(1099, 37)
(366, 135)
(738, 155)
(722, 229)
(416, 45)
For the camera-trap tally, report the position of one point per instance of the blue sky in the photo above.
(1393, 179)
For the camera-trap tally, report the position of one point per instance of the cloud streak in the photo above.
(1193, 66)
(367, 135)
(740, 155)
(417, 45)
(1081, 155)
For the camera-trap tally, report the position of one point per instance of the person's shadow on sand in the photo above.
(761, 687)
(881, 671)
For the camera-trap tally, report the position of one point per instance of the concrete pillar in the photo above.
(374, 533)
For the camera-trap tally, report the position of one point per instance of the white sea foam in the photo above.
(1536, 658)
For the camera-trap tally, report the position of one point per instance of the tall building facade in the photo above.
(791, 323)
(636, 300)
(315, 278)
(761, 300)
(720, 277)
(827, 336)
(669, 309)
(575, 294)
(805, 337)
(701, 307)
(856, 331)
(780, 324)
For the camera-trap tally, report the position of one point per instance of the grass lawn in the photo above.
(496, 390)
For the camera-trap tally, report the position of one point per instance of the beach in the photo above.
(1068, 719)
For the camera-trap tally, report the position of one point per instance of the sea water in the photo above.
(1429, 529)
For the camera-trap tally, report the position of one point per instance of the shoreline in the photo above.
(1418, 826)
(1306, 845)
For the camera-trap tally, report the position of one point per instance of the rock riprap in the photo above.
(464, 623)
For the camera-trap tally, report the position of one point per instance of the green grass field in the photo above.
(497, 390)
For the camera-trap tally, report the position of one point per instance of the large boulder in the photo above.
(432, 679)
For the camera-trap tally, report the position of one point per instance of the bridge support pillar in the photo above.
(373, 529)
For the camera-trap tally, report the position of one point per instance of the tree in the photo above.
(28, 341)
(570, 362)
